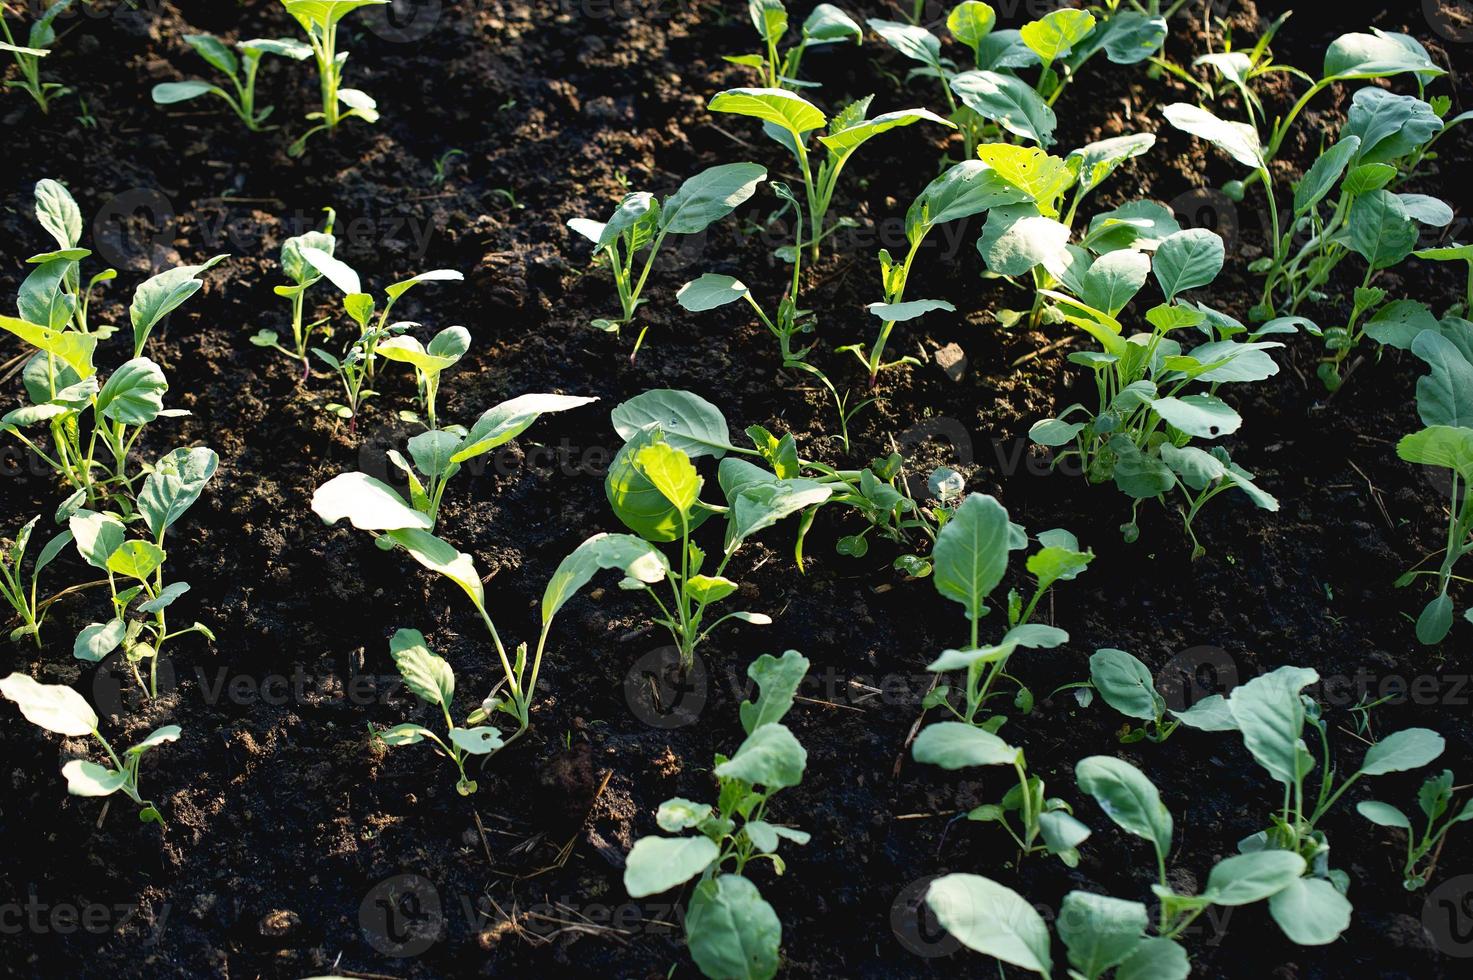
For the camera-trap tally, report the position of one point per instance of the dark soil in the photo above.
(287, 832)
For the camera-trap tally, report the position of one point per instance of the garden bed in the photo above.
(285, 827)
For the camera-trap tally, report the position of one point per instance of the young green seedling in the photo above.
(1273, 718)
(730, 929)
(57, 708)
(1434, 799)
(28, 56)
(789, 119)
(641, 224)
(1126, 684)
(320, 19)
(970, 559)
(1445, 406)
(429, 361)
(358, 366)
(1350, 57)
(240, 70)
(373, 506)
(827, 24)
(135, 567)
(25, 600)
(303, 275)
(430, 679)
(1140, 433)
(437, 455)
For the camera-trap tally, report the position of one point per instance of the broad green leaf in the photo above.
(1377, 55)
(1138, 224)
(174, 484)
(427, 675)
(658, 864)
(1383, 814)
(731, 931)
(769, 757)
(1410, 748)
(677, 814)
(1388, 126)
(957, 745)
(394, 290)
(134, 394)
(1098, 931)
(156, 298)
(787, 110)
(970, 21)
(405, 734)
(1128, 798)
(408, 350)
(962, 190)
(57, 210)
(85, 778)
(1323, 174)
(172, 93)
(828, 25)
(1156, 958)
(1269, 713)
(777, 680)
(159, 736)
(440, 556)
(481, 740)
(1238, 140)
(72, 348)
(670, 472)
(1445, 396)
(54, 707)
(324, 14)
(1097, 161)
(1007, 101)
(900, 312)
(1204, 416)
(689, 422)
(637, 502)
(336, 271)
(165, 598)
(502, 423)
(1016, 239)
(1311, 911)
(97, 536)
(911, 40)
(759, 506)
(711, 291)
(991, 919)
(846, 141)
(971, 553)
(1381, 230)
(1440, 445)
(1126, 684)
(1130, 37)
(369, 504)
(98, 640)
(1054, 35)
(1187, 260)
(770, 18)
(215, 51)
(1247, 878)
(635, 557)
(135, 559)
(1042, 176)
(1114, 278)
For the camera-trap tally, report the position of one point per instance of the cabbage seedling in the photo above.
(57, 708)
(239, 70)
(641, 224)
(358, 366)
(730, 929)
(1273, 718)
(827, 24)
(1140, 434)
(430, 679)
(135, 567)
(1434, 799)
(61, 378)
(373, 506)
(1445, 406)
(429, 361)
(1126, 684)
(28, 56)
(320, 19)
(302, 276)
(24, 600)
(788, 120)
(970, 559)
(1350, 57)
